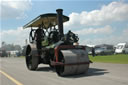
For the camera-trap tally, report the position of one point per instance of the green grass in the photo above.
(118, 58)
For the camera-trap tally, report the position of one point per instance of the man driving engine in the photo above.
(39, 35)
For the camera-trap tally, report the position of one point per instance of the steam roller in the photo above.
(49, 45)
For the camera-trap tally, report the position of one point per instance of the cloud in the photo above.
(113, 12)
(101, 24)
(125, 32)
(93, 22)
(16, 36)
(14, 8)
(105, 30)
(112, 39)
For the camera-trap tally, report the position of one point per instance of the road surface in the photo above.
(13, 71)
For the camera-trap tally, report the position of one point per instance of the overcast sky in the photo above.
(95, 21)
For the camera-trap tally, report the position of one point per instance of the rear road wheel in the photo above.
(32, 62)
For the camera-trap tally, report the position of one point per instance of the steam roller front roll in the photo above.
(74, 61)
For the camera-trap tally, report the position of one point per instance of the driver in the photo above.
(39, 34)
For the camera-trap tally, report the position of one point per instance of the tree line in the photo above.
(10, 47)
(6, 49)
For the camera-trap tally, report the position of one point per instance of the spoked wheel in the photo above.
(32, 62)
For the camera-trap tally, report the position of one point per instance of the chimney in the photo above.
(60, 21)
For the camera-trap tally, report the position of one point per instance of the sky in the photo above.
(95, 21)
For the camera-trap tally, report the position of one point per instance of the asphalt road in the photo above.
(13, 71)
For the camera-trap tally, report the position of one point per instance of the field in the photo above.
(117, 58)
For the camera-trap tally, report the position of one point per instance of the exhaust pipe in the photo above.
(60, 21)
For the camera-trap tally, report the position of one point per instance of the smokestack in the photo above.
(60, 21)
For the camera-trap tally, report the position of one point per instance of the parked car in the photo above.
(104, 49)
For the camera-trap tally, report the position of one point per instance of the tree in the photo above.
(3, 43)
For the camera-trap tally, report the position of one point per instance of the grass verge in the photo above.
(118, 58)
